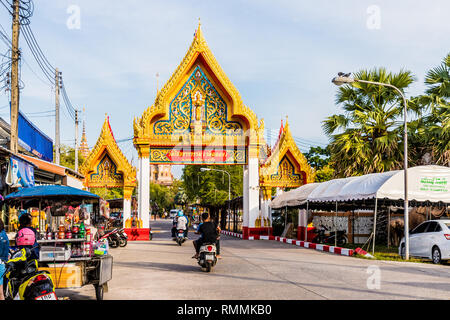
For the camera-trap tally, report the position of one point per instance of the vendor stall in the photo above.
(65, 219)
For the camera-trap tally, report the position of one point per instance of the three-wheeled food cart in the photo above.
(64, 218)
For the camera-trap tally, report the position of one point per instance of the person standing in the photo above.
(4, 252)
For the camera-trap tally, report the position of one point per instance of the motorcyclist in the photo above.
(209, 232)
(174, 226)
(182, 222)
(25, 223)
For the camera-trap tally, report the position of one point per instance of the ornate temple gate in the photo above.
(284, 167)
(107, 167)
(199, 118)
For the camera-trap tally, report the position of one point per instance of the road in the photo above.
(160, 269)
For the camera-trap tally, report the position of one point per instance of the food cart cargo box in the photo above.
(66, 276)
(54, 254)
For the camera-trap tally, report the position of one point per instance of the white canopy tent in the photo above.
(294, 197)
(425, 183)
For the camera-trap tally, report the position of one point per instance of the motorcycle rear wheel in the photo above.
(342, 241)
(113, 243)
(208, 266)
(123, 242)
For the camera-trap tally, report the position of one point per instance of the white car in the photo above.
(430, 240)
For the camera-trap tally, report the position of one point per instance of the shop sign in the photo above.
(434, 184)
(20, 173)
(198, 155)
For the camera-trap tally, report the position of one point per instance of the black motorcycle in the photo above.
(23, 280)
(323, 237)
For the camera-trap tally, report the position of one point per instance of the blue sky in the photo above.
(281, 55)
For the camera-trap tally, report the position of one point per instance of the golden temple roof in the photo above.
(286, 152)
(106, 146)
(198, 53)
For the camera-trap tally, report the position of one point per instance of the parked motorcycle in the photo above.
(180, 237)
(113, 238)
(329, 238)
(23, 280)
(207, 256)
(123, 237)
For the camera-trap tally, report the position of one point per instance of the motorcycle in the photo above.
(23, 280)
(180, 237)
(114, 240)
(207, 256)
(123, 237)
(321, 237)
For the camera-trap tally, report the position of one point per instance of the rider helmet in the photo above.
(180, 213)
(25, 237)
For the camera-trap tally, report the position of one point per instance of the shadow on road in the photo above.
(72, 294)
(159, 266)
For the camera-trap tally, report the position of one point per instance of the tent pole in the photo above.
(307, 214)
(374, 226)
(389, 227)
(335, 227)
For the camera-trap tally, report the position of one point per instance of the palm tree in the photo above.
(431, 132)
(367, 137)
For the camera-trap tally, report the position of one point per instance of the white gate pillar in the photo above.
(143, 197)
(127, 192)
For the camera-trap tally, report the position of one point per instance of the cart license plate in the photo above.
(48, 296)
(209, 257)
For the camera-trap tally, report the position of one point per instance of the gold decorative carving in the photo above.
(198, 55)
(286, 167)
(106, 165)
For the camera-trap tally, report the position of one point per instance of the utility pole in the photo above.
(57, 145)
(15, 56)
(76, 140)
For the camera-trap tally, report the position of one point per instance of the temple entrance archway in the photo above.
(199, 118)
(107, 167)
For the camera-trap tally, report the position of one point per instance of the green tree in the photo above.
(108, 193)
(430, 133)
(211, 187)
(367, 137)
(67, 156)
(318, 157)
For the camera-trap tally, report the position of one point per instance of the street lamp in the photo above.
(344, 78)
(229, 187)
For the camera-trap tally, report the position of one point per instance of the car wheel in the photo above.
(403, 252)
(436, 255)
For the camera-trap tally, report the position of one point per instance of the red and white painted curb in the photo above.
(233, 234)
(300, 243)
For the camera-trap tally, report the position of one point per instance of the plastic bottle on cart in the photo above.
(49, 234)
(82, 231)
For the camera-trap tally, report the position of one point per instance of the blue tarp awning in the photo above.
(50, 191)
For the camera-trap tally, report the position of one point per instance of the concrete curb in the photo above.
(303, 244)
